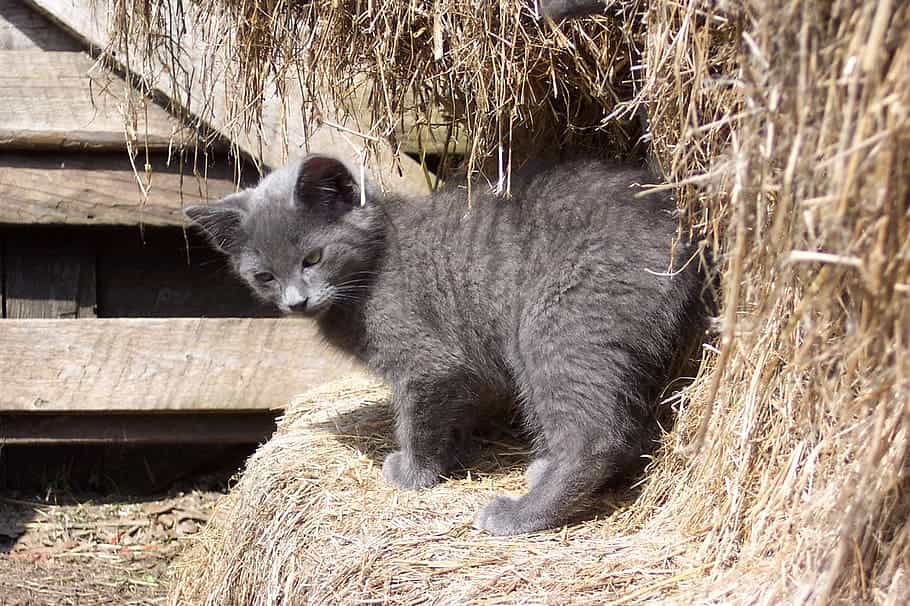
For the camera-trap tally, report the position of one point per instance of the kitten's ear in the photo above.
(222, 222)
(326, 185)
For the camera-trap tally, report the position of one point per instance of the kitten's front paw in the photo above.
(402, 471)
(503, 517)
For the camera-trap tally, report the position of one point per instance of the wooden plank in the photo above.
(103, 189)
(49, 277)
(151, 364)
(199, 86)
(22, 28)
(86, 287)
(137, 428)
(63, 99)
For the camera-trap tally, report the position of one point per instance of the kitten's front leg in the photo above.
(425, 416)
(405, 470)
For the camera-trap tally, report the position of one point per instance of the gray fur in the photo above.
(556, 299)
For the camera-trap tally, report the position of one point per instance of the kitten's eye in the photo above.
(264, 277)
(313, 257)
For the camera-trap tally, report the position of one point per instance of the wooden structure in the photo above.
(118, 324)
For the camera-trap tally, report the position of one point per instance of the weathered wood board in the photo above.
(161, 365)
(102, 189)
(48, 278)
(64, 99)
(22, 28)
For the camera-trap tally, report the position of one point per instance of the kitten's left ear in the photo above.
(326, 185)
(222, 221)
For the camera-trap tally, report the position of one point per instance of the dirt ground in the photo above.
(101, 524)
(105, 551)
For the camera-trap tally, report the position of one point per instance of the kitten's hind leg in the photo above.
(590, 430)
(560, 487)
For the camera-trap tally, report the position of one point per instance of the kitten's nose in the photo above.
(299, 307)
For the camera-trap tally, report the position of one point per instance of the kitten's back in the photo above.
(580, 216)
(575, 254)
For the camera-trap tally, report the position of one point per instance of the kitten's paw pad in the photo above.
(502, 517)
(536, 471)
(400, 470)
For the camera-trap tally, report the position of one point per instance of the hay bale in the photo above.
(785, 127)
(312, 521)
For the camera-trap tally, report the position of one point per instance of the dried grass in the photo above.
(489, 76)
(785, 126)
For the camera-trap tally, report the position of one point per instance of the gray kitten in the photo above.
(557, 299)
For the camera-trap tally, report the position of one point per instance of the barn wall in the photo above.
(108, 305)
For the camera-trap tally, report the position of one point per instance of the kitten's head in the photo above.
(300, 238)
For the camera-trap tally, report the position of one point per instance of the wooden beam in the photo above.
(63, 99)
(103, 189)
(161, 364)
(21, 28)
(137, 428)
(190, 80)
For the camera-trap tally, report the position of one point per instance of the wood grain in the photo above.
(102, 189)
(49, 279)
(150, 364)
(63, 99)
(203, 91)
(22, 28)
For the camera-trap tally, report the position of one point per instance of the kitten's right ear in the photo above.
(325, 185)
(222, 221)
